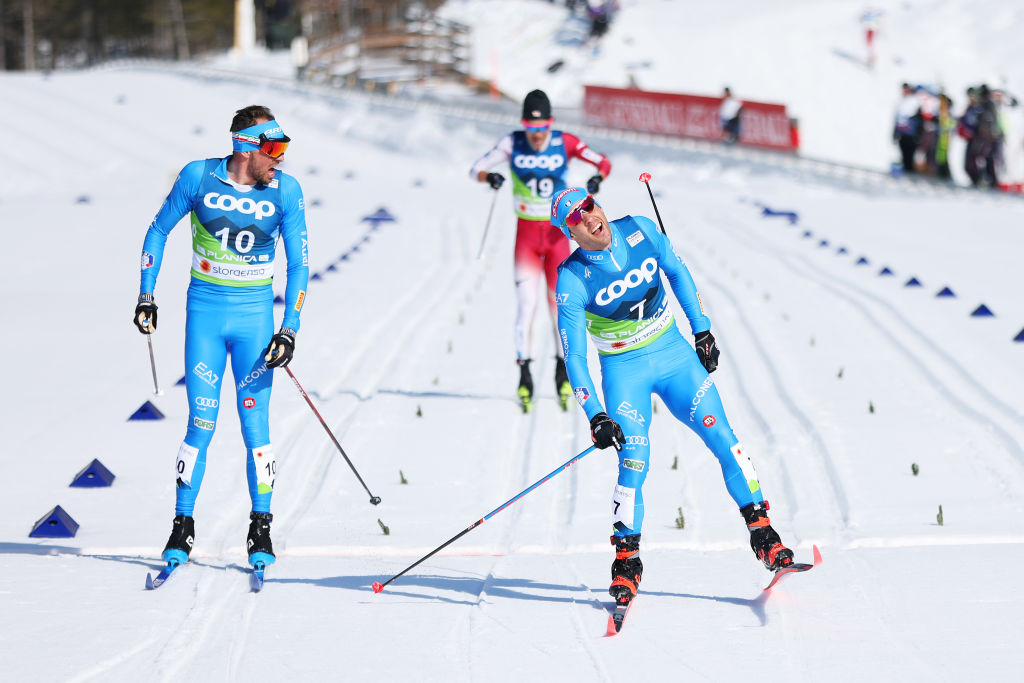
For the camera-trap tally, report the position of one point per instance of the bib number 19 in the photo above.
(543, 187)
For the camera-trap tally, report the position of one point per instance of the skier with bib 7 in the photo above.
(611, 288)
(239, 207)
(538, 158)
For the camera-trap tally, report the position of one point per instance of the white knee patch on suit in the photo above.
(624, 501)
(266, 467)
(746, 466)
(186, 462)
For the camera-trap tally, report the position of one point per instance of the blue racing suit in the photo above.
(235, 229)
(617, 296)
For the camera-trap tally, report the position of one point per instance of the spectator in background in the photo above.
(729, 116)
(946, 123)
(907, 127)
(990, 135)
(979, 126)
(600, 16)
(929, 131)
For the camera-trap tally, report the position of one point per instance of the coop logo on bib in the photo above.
(645, 273)
(226, 202)
(549, 162)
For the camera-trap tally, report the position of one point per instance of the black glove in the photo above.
(594, 183)
(495, 180)
(606, 432)
(279, 352)
(707, 351)
(145, 314)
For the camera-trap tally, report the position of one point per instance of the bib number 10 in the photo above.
(543, 187)
(243, 240)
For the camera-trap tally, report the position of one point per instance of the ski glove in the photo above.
(495, 180)
(145, 314)
(594, 183)
(707, 351)
(606, 432)
(279, 352)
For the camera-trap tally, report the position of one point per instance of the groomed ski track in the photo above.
(407, 350)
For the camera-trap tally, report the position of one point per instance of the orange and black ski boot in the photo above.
(764, 540)
(626, 569)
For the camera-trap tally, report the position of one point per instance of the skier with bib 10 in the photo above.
(239, 207)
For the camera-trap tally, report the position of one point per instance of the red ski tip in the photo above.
(377, 587)
(645, 177)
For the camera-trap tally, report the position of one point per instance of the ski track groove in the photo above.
(584, 634)
(854, 296)
(797, 413)
(839, 495)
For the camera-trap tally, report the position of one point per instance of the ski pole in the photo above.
(378, 587)
(152, 364)
(645, 178)
(483, 240)
(374, 500)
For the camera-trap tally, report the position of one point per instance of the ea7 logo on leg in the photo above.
(627, 410)
(206, 374)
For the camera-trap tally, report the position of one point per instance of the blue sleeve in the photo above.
(571, 297)
(296, 251)
(178, 203)
(679, 277)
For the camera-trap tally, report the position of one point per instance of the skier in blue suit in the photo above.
(238, 208)
(611, 287)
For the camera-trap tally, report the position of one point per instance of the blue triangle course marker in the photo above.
(841, 250)
(278, 299)
(316, 276)
(332, 268)
(807, 233)
(823, 243)
(180, 382)
(885, 271)
(56, 523)
(913, 282)
(789, 215)
(380, 216)
(982, 311)
(862, 261)
(945, 292)
(147, 411)
(92, 475)
(1020, 336)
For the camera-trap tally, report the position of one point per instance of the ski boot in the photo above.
(626, 569)
(179, 545)
(261, 550)
(764, 540)
(525, 392)
(562, 386)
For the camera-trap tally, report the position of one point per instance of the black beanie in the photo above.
(536, 106)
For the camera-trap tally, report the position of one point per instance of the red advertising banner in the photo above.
(688, 116)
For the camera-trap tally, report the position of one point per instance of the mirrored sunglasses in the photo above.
(537, 127)
(575, 217)
(274, 147)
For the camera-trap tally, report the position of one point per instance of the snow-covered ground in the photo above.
(810, 56)
(836, 378)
